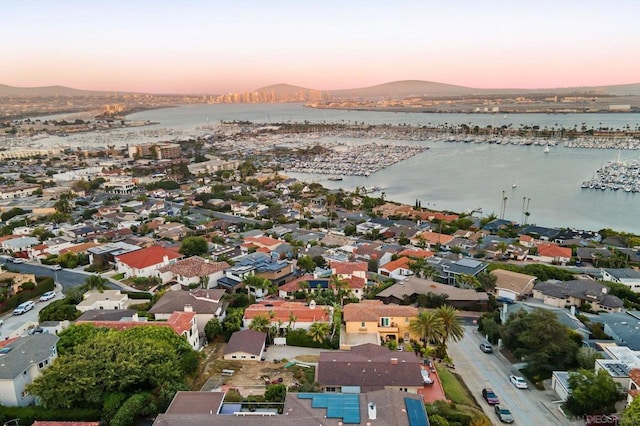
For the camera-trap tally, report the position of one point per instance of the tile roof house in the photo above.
(22, 360)
(145, 262)
(367, 368)
(415, 253)
(397, 269)
(284, 313)
(512, 285)
(288, 290)
(634, 385)
(183, 323)
(371, 321)
(432, 240)
(459, 298)
(354, 273)
(245, 345)
(553, 253)
(577, 293)
(194, 270)
(206, 304)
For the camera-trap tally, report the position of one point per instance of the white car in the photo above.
(518, 382)
(47, 296)
(23, 307)
(56, 268)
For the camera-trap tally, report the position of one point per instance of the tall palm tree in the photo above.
(95, 282)
(428, 326)
(341, 288)
(452, 328)
(318, 331)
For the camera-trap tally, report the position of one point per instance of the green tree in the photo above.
(212, 329)
(341, 288)
(260, 323)
(592, 393)
(306, 264)
(318, 331)
(275, 393)
(319, 261)
(631, 415)
(194, 246)
(540, 340)
(253, 283)
(95, 282)
(487, 281)
(59, 310)
(232, 321)
(428, 326)
(586, 357)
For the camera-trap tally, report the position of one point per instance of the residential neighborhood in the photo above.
(276, 300)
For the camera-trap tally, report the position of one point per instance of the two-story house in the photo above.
(21, 361)
(371, 321)
(145, 262)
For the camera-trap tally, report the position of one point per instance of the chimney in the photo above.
(573, 310)
(394, 361)
(165, 260)
(188, 308)
(371, 409)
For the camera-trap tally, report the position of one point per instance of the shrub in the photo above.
(130, 410)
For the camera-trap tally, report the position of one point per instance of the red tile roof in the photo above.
(280, 310)
(146, 257)
(416, 253)
(373, 310)
(348, 268)
(402, 262)
(178, 322)
(181, 321)
(263, 242)
(356, 282)
(553, 250)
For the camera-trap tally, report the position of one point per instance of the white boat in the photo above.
(546, 149)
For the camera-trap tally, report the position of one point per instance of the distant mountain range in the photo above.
(408, 88)
(396, 89)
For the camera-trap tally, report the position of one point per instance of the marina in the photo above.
(616, 175)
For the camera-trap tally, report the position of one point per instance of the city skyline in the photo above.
(221, 46)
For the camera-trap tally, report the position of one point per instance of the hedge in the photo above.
(138, 295)
(43, 284)
(28, 415)
(300, 337)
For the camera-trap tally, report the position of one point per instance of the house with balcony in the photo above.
(260, 264)
(448, 271)
(397, 269)
(206, 304)
(22, 360)
(371, 321)
(285, 314)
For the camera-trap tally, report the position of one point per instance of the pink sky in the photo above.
(216, 47)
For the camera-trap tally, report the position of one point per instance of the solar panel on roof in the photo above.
(344, 406)
(416, 412)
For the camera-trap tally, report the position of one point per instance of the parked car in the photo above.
(486, 347)
(518, 382)
(56, 267)
(23, 307)
(490, 396)
(16, 260)
(35, 330)
(504, 415)
(47, 296)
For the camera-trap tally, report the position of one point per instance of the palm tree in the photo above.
(341, 287)
(95, 282)
(318, 331)
(428, 326)
(260, 323)
(502, 247)
(450, 323)
(417, 266)
(304, 286)
(292, 321)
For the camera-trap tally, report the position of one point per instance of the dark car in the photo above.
(490, 396)
(504, 415)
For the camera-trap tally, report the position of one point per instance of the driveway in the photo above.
(479, 370)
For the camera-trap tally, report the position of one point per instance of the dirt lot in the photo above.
(250, 377)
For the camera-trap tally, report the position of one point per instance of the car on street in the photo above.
(23, 308)
(489, 395)
(35, 330)
(48, 295)
(486, 347)
(503, 414)
(518, 382)
(56, 268)
(16, 259)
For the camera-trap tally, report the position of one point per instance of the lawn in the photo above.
(118, 277)
(453, 387)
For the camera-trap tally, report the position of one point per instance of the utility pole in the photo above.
(523, 201)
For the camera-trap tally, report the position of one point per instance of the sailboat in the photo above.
(546, 149)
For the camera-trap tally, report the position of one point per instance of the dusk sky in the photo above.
(240, 45)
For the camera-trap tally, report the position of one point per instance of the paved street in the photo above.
(14, 324)
(480, 370)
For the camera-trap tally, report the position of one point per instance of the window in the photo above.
(384, 322)
(362, 324)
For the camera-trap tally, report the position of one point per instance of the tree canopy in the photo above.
(592, 393)
(631, 415)
(194, 246)
(96, 362)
